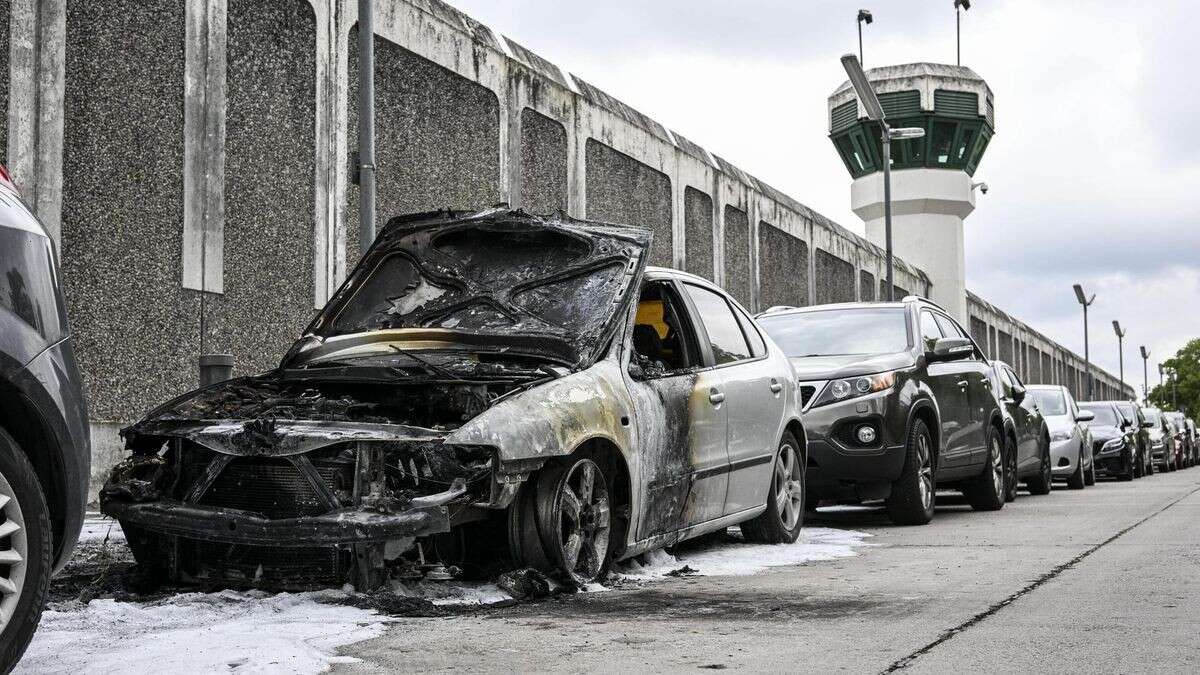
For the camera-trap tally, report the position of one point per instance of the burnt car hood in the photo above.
(550, 286)
(848, 365)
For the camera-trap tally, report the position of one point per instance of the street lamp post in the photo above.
(1145, 375)
(1087, 360)
(864, 16)
(870, 102)
(366, 125)
(1120, 348)
(965, 5)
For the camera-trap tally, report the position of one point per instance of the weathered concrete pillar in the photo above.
(204, 90)
(35, 116)
(332, 161)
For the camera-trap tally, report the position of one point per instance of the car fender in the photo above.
(923, 399)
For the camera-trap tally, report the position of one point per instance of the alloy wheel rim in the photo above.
(925, 474)
(1011, 482)
(14, 551)
(789, 486)
(997, 466)
(584, 521)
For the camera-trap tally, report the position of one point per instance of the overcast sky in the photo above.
(1094, 171)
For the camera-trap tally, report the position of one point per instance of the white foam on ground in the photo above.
(200, 632)
(736, 558)
(451, 593)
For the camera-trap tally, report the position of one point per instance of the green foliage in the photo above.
(1184, 387)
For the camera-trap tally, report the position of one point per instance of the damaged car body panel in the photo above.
(476, 371)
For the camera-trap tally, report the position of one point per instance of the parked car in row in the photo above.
(45, 451)
(1026, 434)
(897, 401)
(1162, 440)
(523, 383)
(1132, 413)
(1070, 438)
(1115, 450)
(1183, 438)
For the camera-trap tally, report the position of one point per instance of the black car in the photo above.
(1026, 436)
(897, 402)
(1132, 413)
(45, 454)
(1115, 451)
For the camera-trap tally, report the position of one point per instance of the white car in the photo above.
(1070, 438)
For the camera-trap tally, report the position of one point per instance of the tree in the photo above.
(1182, 391)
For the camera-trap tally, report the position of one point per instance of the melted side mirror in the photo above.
(636, 371)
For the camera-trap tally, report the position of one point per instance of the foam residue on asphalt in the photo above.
(200, 632)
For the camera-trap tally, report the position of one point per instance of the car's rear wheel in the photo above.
(561, 523)
(1043, 482)
(1010, 470)
(986, 491)
(1138, 466)
(1089, 478)
(912, 498)
(25, 539)
(1075, 481)
(781, 522)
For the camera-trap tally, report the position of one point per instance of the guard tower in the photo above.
(931, 177)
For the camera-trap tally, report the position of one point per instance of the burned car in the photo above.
(489, 388)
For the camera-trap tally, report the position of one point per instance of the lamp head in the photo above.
(864, 16)
(1117, 329)
(1145, 352)
(965, 4)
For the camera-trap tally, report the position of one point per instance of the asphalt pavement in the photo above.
(1102, 580)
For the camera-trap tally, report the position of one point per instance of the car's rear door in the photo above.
(754, 394)
(681, 417)
(1025, 421)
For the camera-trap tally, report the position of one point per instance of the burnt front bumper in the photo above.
(424, 516)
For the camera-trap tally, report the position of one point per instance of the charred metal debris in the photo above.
(336, 466)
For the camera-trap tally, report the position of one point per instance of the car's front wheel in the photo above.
(1089, 477)
(986, 491)
(1076, 481)
(1043, 482)
(911, 501)
(24, 552)
(562, 521)
(780, 523)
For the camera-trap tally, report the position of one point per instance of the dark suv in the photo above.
(897, 402)
(44, 450)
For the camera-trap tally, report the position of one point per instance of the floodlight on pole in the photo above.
(1087, 360)
(964, 5)
(870, 103)
(1120, 349)
(864, 16)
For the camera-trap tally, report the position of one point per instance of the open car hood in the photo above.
(549, 286)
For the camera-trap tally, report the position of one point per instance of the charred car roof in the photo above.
(547, 285)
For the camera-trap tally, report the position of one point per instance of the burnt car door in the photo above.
(681, 416)
(754, 395)
(1026, 421)
(945, 380)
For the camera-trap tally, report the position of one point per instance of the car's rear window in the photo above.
(1151, 415)
(831, 332)
(1050, 401)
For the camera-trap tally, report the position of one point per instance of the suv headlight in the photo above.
(854, 387)
(1060, 436)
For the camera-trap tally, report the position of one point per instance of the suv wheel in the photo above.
(24, 552)
(780, 523)
(1010, 470)
(1043, 482)
(985, 492)
(912, 498)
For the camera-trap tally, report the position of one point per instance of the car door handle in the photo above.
(776, 387)
(715, 397)
(963, 383)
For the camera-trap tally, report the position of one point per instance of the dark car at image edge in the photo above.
(45, 452)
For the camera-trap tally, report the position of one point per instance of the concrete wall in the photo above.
(192, 149)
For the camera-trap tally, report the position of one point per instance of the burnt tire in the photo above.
(1010, 469)
(786, 498)
(1075, 481)
(25, 552)
(985, 492)
(912, 499)
(1043, 482)
(562, 521)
